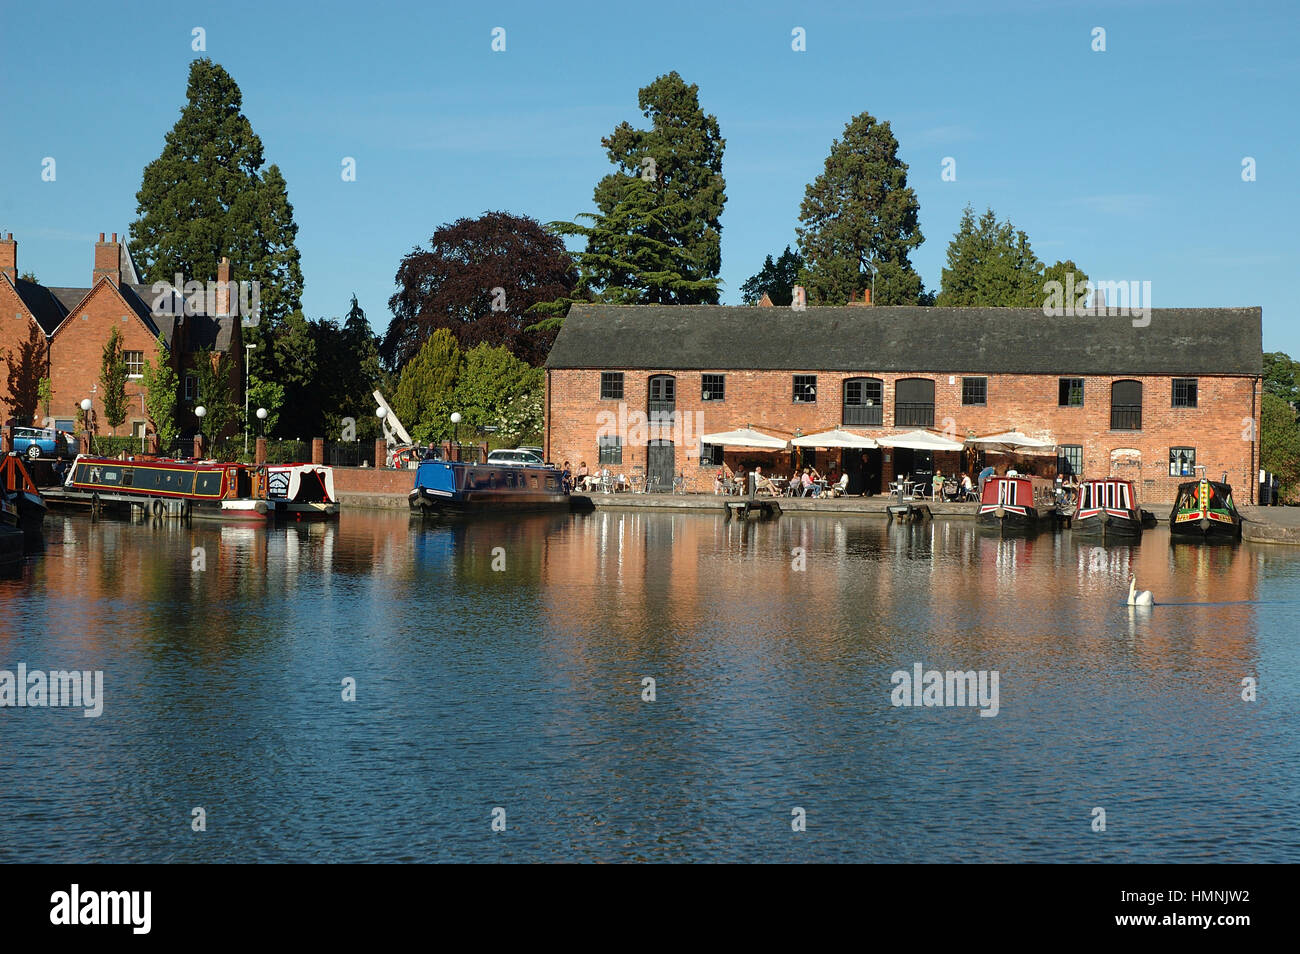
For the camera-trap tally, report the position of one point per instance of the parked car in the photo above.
(37, 442)
(541, 454)
(515, 458)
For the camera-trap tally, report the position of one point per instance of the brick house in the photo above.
(1148, 403)
(75, 324)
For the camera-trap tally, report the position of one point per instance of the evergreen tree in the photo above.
(1282, 376)
(775, 279)
(1279, 442)
(112, 378)
(860, 214)
(656, 237)
(1060, 272)
(991, 264)
(161, 385)
(423, 397)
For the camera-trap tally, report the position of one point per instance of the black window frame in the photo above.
(912, 413)
(804, 389)
(609, 450)
(711, 455)
(983, 388)
(607, 381)
(1126, 416)
(1069, 460)
(868, 409)
(1191, 386)
(711, 382)
(1191, 469)
(1065, 391)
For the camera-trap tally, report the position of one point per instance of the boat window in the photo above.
(532, 480)
(208, 484)
(127, 475)
(1085, 501)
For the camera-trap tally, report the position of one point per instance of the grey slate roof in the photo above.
(1190, 341)
(41, 302)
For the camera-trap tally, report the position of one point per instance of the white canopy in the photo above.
(919, 440)
(745, 437)
(834, 438)
(1013, 440)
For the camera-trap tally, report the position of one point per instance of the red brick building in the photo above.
(74, 324)
(1150, 401)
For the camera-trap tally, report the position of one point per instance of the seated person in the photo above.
(936, 485)
(967, 488)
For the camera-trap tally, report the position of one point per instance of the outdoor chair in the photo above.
(840, 486)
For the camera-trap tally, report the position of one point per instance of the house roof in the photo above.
(41, 302)
(1187, 341)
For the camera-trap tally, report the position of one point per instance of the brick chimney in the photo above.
(866, 298)
(108, 260)
(9, 256)
(223, 287)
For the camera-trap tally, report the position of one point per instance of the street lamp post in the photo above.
(199, 412)
(455, 420)
(87, 415)
(248, 351)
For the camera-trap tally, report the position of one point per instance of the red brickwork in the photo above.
(1221, 428)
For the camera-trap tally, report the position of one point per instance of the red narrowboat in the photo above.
(1007, 504)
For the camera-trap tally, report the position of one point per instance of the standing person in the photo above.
(985, 474)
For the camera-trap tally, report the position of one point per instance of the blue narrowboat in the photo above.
(449, 488)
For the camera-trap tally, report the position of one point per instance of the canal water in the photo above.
(500, 672)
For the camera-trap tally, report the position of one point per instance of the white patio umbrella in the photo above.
(745, 437)
(1013, 441)
(919, 440)
(834, 438)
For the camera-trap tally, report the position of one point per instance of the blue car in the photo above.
(38, 442)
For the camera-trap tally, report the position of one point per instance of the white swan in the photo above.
(1138, 599)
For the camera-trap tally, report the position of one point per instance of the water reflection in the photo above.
(500, 662)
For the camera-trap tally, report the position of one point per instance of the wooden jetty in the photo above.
(908, 512)
(752, 509)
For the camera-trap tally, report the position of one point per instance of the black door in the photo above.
(660, 460)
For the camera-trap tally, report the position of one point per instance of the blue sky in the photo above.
(1128, 161)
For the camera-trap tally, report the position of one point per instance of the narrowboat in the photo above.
(199, 489)
(301, 490)
(1204, 511)
(1107, 508)
(451, 488)
(1007, 504)
(12, 543)
(18, 488)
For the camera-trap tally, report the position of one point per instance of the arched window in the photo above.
(662, 404)
(914, 402)
(1126, 406)
(864, 402)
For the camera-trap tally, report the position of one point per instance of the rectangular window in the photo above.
(134, 363)
(1182, 461)
(1126, 406)
(714, 387)
(974, 390)
(1184, 392)
(805, 389)
(1071, 392)
(611, 385)
(191, 386)
(1069, 460)
(711, 455)
(611, 449)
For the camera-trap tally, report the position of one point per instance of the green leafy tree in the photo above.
(161, 386)
(112, 379)
(861, 214)
(347, 357)
(489, 381)
(269, 396)
(521, 421)
(206, 197)
(1279, 442)
(216, 393)
(1060, 272)
(46, 392)
(1282, 376)
(991, 264)
(292, 364)
(776, 279)
(656, 237)
(424, 393)
(26, 375)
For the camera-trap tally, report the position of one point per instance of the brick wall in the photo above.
(371, 480)
(1219, 428)
(77, 353)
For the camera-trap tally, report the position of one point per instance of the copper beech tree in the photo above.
(478, 279)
